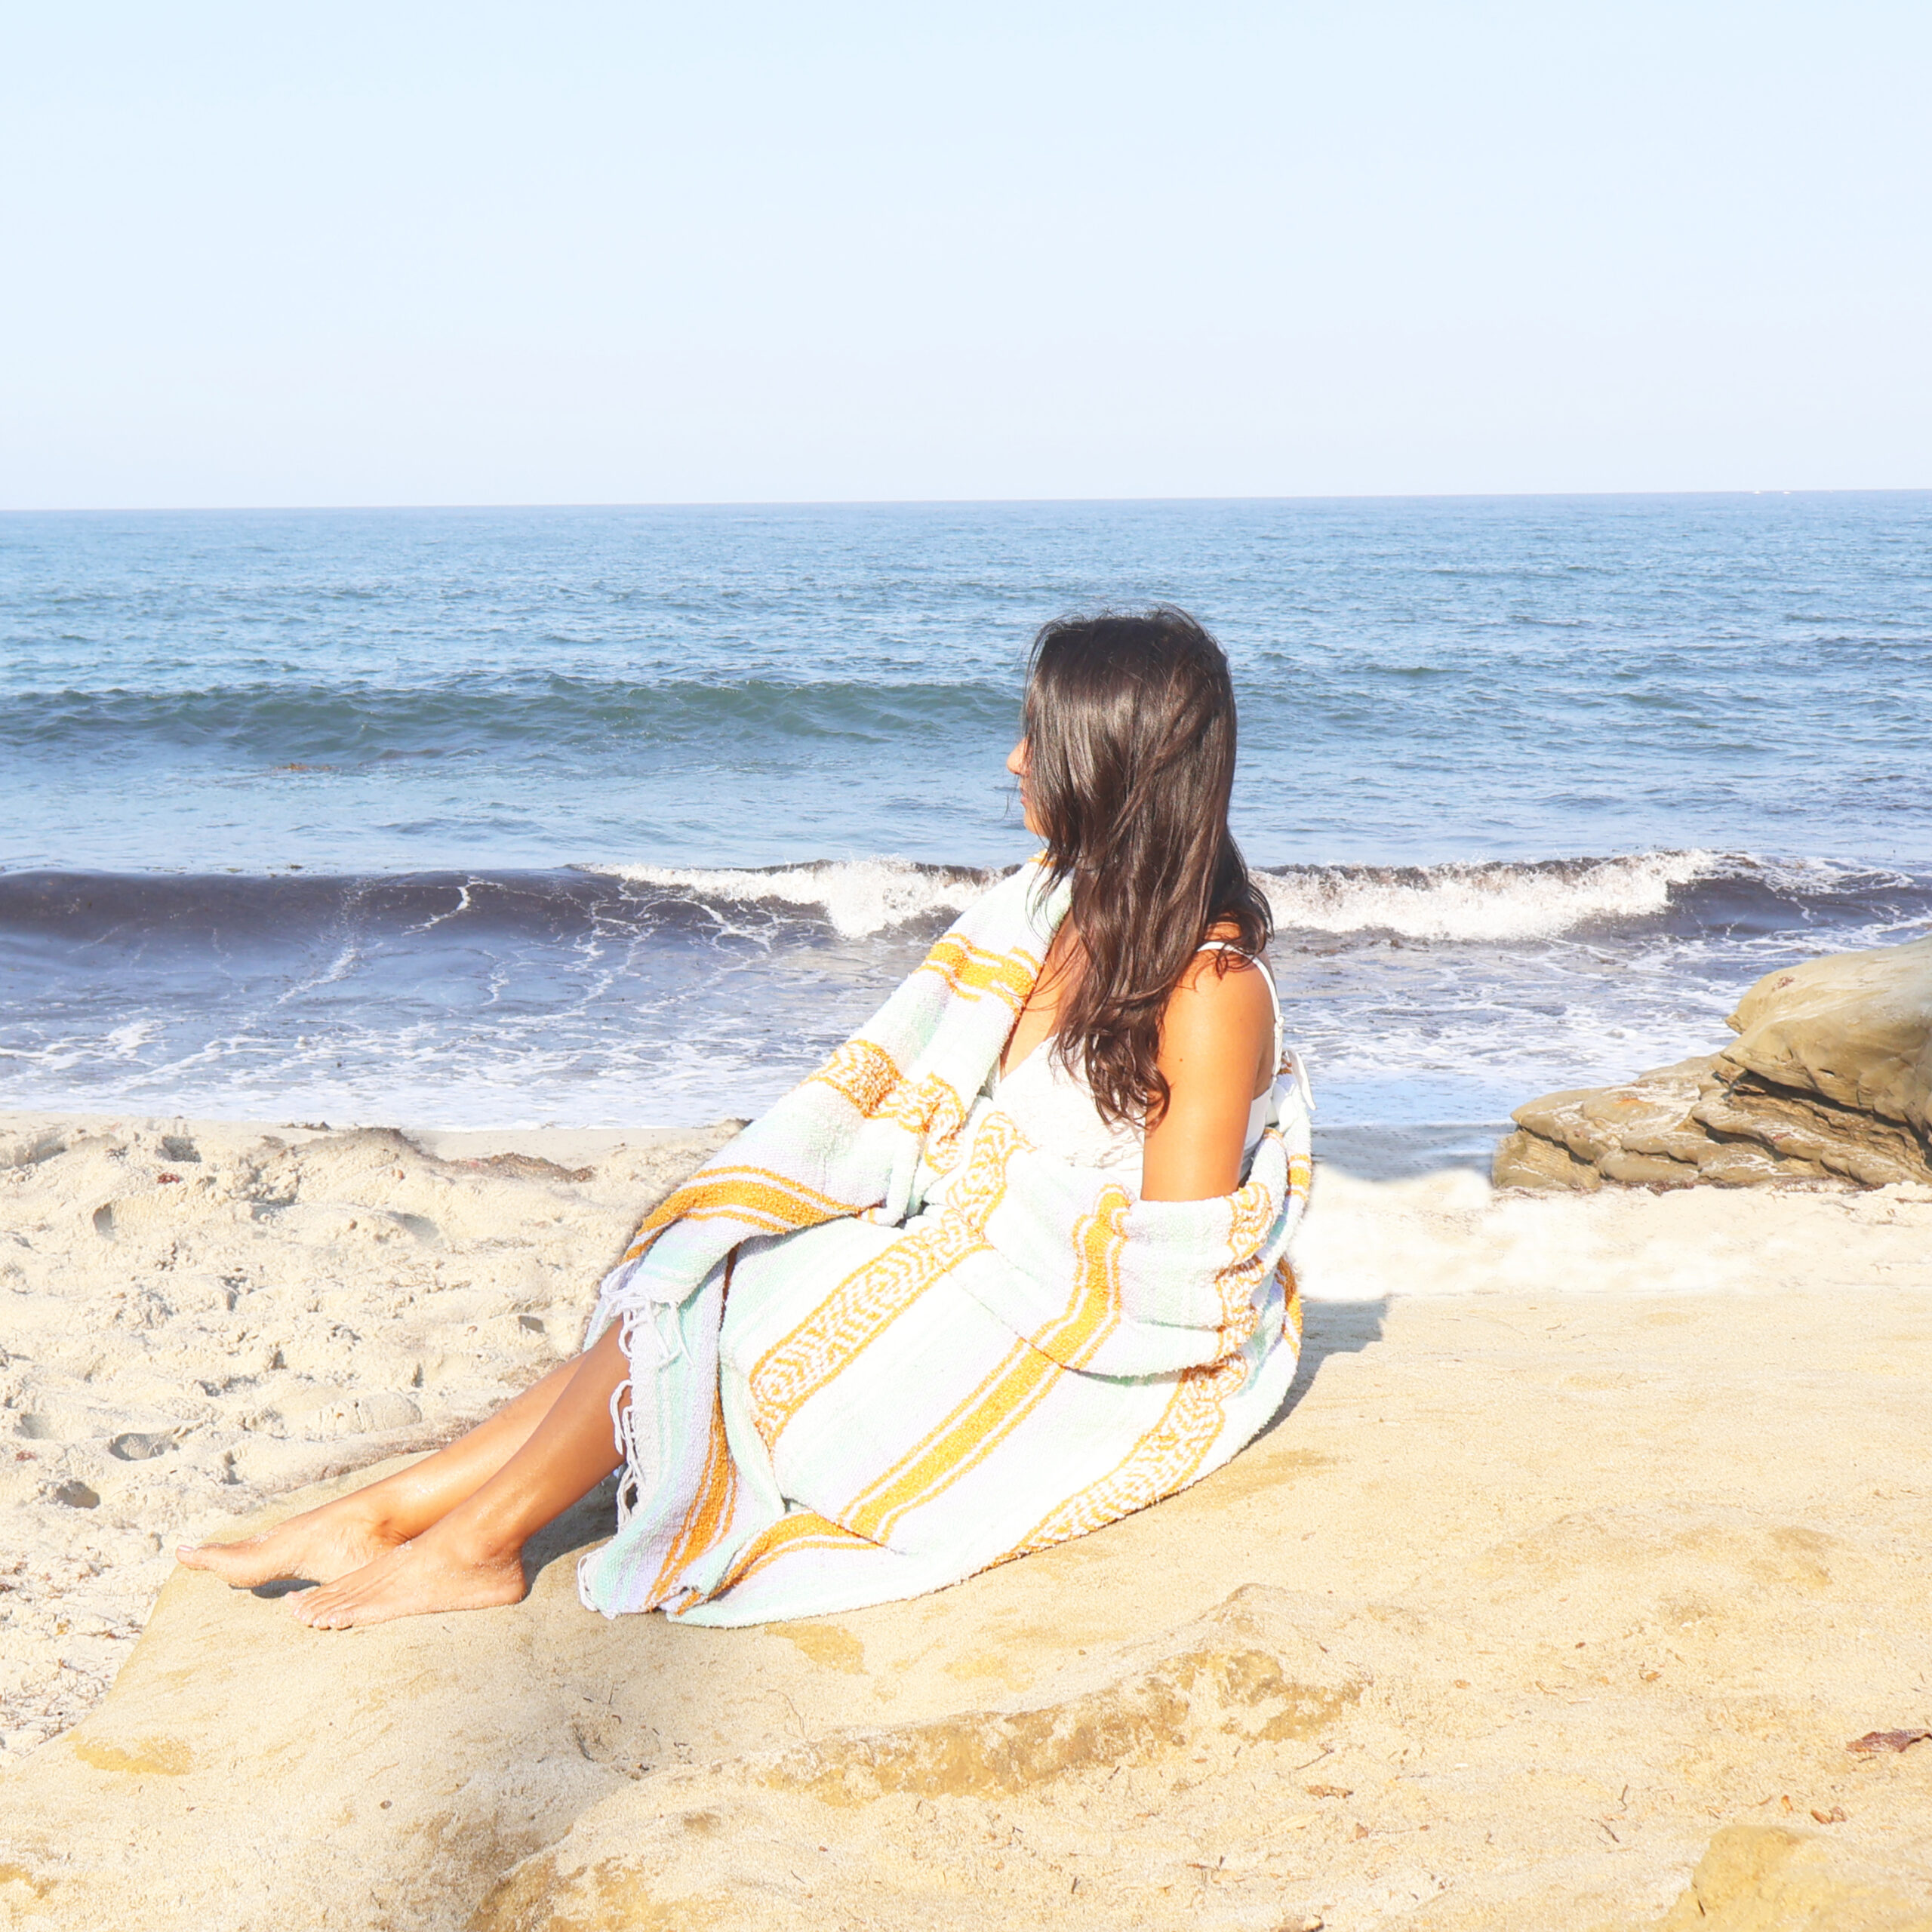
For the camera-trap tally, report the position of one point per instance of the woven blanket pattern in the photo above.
(838, 1395)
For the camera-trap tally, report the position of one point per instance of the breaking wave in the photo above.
(896, 899)
(1492, 902)
(1470, 902)
(857, 897)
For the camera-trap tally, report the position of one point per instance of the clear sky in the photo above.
(575, 252)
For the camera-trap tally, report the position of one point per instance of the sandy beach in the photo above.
(1595, 1530)
(198, 1316)
(582, 588)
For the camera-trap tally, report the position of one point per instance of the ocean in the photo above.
(622, 817)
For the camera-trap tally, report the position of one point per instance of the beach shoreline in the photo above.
(1688, 1425)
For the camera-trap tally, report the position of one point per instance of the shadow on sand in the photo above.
(1328, 1328)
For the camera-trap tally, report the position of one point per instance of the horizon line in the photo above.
(951, 502)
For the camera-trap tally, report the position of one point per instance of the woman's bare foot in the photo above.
(318, 1546)
(415, 1579)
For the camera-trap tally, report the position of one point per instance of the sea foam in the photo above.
(858, 896)
(1483, 902)
(1496, 901)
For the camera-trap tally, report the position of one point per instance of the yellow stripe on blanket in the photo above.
(1164, 1460)
(760, 1194)
(865, 1073)
(970, 971)
(865, 1303)
(1005, 1398)
(802, 1530)
(853, 1317)
(706, 1520)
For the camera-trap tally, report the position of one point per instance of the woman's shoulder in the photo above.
(1221, 990)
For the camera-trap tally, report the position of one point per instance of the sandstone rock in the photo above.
(1804, 1132)
(907, 1804)
(1764, 1879)
(1830, 1079)
(1855, 1029)
(541, 1766)
(1650, 1132)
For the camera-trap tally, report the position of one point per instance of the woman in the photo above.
(1011, 1265)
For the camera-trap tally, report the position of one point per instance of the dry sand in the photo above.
(1598, 1526)
(196, 1316)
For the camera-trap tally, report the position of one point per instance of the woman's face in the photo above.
(1016, 763)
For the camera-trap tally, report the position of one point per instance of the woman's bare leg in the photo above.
(322, 1544)
(472, 1556)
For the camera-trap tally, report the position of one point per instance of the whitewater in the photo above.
(605, 817)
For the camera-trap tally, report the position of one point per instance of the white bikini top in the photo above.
(1052, 1105)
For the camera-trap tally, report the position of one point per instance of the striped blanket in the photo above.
(842, 1392)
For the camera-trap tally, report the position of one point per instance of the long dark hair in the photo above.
(1129, 725)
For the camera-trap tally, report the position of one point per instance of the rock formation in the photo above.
(1767, 1879)
(1829, 1079)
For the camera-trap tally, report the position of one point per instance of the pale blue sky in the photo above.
(427, 253)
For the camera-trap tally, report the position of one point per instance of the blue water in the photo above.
(447, 815)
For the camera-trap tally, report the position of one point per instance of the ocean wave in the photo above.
(857, 897)
(619, 994)
(1495, 901)
(355, 722)
(1675, 895)
(572, 906)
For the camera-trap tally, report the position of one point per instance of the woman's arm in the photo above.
(1217, 1047)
